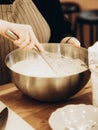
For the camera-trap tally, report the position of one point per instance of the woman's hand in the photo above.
(71, 40)
(26, 37)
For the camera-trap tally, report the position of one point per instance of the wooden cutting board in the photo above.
(14, 121)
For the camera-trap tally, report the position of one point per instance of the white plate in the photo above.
(15, 122)
(74, 117)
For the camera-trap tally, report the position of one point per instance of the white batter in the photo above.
(37, 67)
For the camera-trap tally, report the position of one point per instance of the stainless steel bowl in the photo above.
(53, 88)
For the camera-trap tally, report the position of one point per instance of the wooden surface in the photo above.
(34, 112)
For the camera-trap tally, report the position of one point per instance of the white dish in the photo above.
(15, 122)
(74, 117)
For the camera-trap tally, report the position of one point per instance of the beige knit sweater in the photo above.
(24, 12)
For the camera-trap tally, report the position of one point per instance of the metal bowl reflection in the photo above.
(50, 88)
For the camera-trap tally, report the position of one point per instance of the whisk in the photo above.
(56, 62)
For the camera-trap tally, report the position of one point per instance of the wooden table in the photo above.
(37, 113)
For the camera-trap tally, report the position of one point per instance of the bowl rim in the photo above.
(45, 44)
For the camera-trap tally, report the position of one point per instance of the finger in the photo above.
(75, 42)
(39, 47)
(29, 46)
(19, 41)
(64, 40)
(71, 40)
(23, 41)
(35, 41)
